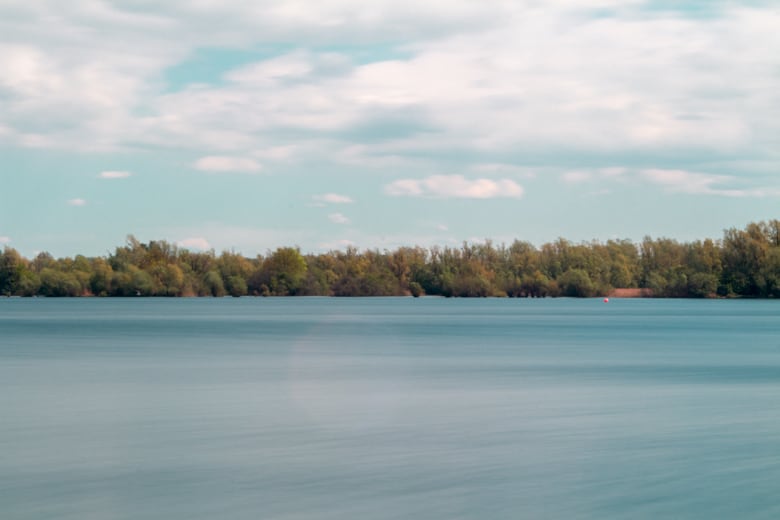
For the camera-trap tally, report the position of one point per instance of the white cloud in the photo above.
(333, 198)
(4, 240)
(455, 186)
(223, 164)
(681, 181)
(114, 175)
(442, 227)
(77, 202)
(338, 218)
(198, 243)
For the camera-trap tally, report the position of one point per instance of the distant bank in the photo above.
(744, 263)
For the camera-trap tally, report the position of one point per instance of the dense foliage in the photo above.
(744, 263)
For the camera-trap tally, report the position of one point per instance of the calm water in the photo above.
(388, 409)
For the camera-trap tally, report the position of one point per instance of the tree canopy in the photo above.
(745, 262)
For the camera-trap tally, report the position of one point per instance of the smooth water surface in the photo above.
(388, 408)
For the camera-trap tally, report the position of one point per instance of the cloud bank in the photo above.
(604, 77)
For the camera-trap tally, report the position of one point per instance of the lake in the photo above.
(389, 408)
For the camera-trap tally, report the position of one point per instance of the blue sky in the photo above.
(252, 125)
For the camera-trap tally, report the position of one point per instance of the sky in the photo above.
(248, 126)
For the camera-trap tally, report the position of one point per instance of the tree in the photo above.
(282, 273)
(171, 280)
(29, 284)
(744, 252)
(702, 285)
(236, 286)
(59, 283)
(11, 266)
(100, 280)
(537, 285)
(213, 284)
(320, 275)
(576, 282)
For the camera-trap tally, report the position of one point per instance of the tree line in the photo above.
(744, 263)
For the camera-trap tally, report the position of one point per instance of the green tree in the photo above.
(59, 283)
(576, 282)
(744, 252)
(100, 279)
(171, 279)
(29, 284)
(11, 266)
(282, 273)
(213, 284)
(702, 285)
(236, 286)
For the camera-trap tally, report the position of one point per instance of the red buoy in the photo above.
(606, 300)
